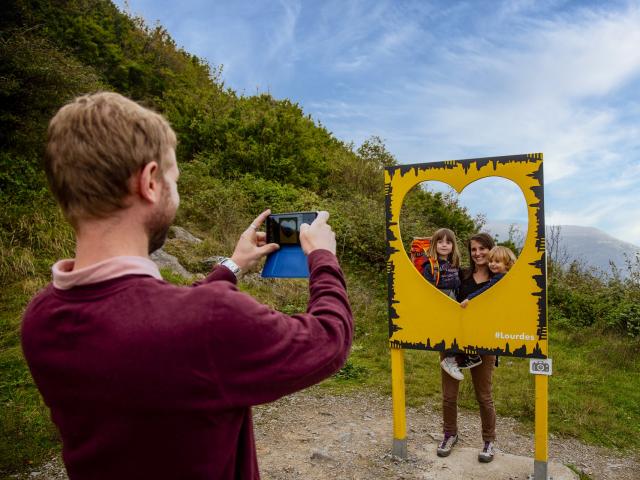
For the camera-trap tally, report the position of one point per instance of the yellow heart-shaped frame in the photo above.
(508, 319)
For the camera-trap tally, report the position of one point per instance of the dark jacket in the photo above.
(449, 275)
(486, 285)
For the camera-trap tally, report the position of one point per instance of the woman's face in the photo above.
(479, 254)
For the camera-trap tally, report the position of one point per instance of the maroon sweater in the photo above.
(145, 379)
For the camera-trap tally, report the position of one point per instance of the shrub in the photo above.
(575, 307)
(626, 319)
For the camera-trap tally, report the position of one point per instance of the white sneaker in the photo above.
(486, 455)
(444, 449)
(450, 365)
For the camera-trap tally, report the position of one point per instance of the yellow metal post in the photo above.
(399, 404)
(541, 429)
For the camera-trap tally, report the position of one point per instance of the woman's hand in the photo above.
(464, 303)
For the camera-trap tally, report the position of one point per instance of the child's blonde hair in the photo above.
(503, 255)
(454, 256)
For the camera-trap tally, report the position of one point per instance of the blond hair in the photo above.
(503, 255)
(94, 146)
(454, 256)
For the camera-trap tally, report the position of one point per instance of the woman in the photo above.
(473, 279)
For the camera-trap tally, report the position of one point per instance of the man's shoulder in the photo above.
(37, 311)
(165, 295)
(40, 298)
(128, 291)
(134, 305)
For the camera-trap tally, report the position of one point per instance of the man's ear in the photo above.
(149, 182)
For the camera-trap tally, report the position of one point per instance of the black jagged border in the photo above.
(540, 263)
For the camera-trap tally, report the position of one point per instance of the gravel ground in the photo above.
(313, 435)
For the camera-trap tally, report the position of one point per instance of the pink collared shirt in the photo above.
(65, 277)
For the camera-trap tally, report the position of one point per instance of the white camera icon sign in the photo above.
(540, 366)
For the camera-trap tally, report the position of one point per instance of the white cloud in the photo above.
(527, 98)
(440, 81)
(589, 55)
(282, 35)
(546, 86)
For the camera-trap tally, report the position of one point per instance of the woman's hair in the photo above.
(483, 239)
(504, 255)
(454, 256)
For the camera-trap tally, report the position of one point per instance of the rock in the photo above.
(320, 455)
(164, 260)
(180, 233)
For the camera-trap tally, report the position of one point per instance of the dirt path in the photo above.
(316, 436)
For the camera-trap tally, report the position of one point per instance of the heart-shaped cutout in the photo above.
(288, 231)
(493, 205)
(510, 319)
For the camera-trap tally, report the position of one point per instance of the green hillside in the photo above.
(238, 155)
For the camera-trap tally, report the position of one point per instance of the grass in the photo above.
(594, 392)
(27, 435)
(596, 388)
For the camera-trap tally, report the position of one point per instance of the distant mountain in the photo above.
(588, 245)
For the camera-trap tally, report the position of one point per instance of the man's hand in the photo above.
(318, 235)
(464, 303)
(253, 245)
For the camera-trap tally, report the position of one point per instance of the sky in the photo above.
(446, 80)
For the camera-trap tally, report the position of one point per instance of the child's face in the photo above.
(497, 266)
(444, 247)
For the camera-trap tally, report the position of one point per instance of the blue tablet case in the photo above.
(288, 262)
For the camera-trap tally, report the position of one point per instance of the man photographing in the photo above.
(145, 379)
